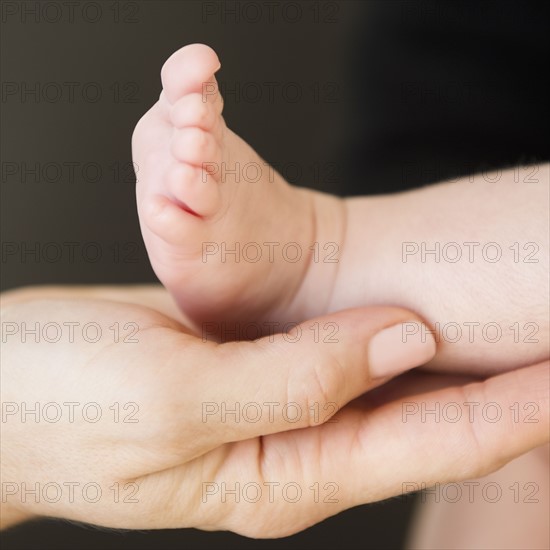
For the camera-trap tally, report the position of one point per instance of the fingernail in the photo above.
(400, 348)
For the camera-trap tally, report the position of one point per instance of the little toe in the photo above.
(193, 189)
(169, 221)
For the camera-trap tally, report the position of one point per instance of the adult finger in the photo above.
(443, 436)
(300, 379)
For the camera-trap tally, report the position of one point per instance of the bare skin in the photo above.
(507, 509)
(171, 452)
(353, 252)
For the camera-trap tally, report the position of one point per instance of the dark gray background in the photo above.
(394, 95)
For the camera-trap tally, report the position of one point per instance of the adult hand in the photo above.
(148, 444)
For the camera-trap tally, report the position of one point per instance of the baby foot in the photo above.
(226, 235)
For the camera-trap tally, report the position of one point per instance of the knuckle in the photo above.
(316, 384)
(479, 461)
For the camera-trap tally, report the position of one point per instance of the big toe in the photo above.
(188, 70)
